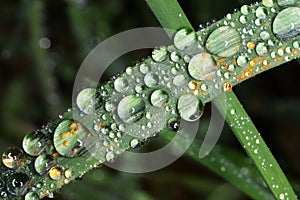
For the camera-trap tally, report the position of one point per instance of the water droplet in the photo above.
(232, 111)
(18, 184)
(121, 85)
(43, 163)
(36, 143)
(179, 80)
(109, 106)
(184, 39)
(13, 157)
(202, 66)
(174, 124)
(261, 13)
(68, 173)
(284, 3)
(189, 107)
(225, 41)
(134, 143)
(242, 61)
(159, 98)
(110, 156)
(281, 196)
(144, 69)
(31, 196)
(227, 86)
(268, 3)
(68, 138)
(261, 49)
(245, 9)
(264, 35)
(243, 19)
(160, 54)
(131, 109)
(175, 57)
(55, 173)
(87, 100)
(151, 80)
(286, 25)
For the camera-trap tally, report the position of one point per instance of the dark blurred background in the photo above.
(42, 44)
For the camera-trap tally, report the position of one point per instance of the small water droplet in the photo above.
(245, 9)
(261, 49)
(189, 107)
(202, 66)
(43, 163)
(160, 54)
(110, 156)
(36, 143)
(242, 61)
(159, 98)
(13, 157)
(175, 57)
(55, 173)
(131, 109)
(184, 39)
(18, 184)
(31, 196)
(173, 124)
(151, 80)
(227, 86)
(144, 69)
(261, 13)
(121, 85)
(134, 143)
(88, 100)
(268, 3)
(264, 35)
(179, 80)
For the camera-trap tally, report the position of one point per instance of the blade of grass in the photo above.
(171, 16)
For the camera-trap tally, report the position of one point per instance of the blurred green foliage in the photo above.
(42, 44)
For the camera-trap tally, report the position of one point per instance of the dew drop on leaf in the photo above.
(184, 39)
(131, 109)
(202, 66)
(36, 143)
(173, 124)
(18, 184)
(189, 107)
(31, 196)
(43, 163)
(160, 54)
(286, 25)
(13, 157)
(121, 85)
(151, 80)
(179, 80)
(55, 173)
(134, 143)
(225, 41)
(87, 100)
(159, 98)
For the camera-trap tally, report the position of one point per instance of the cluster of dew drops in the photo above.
(156, 93)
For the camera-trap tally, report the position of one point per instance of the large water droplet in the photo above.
(31, 196)
(202, 66)
(151, 80)
(184, 39)
(43, 163)
(160, 54)
(121, 85)
(284, 3)
(189, 107)
(18, 184)
(159, 98)
(87, 100)
(55, 173)
(131, 109)
(286, 25)
(225, 41)
(68, 138)
(13, 157)
(36, 143)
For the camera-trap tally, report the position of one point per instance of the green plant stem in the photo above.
(171, 16)
(256, 148)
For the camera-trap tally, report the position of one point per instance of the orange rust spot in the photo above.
(294, 52)
(66, 134)
(263, 67)
(102, 125)
(227, 86)
(73, 132)
(89, 135)
(278, 59)
(75, 150)
(195, 92)
(73, 126)
(224, 67)
(55, 155)
(203, 92)
(208, 76)
(194, 85)
(251, 45)
(252, 63)
(233, 62)
(66, 143)
(220, 61)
